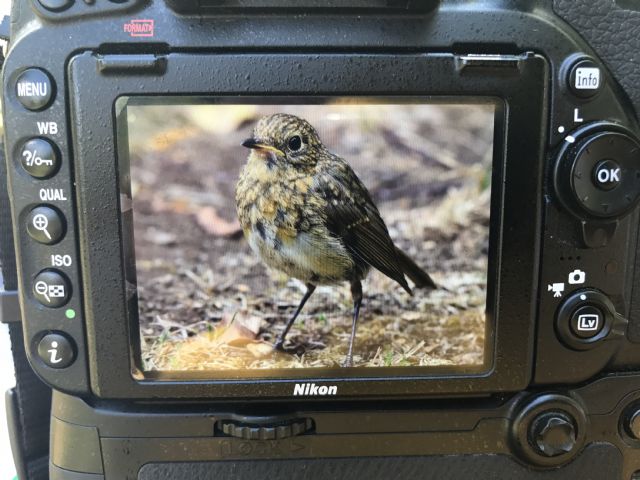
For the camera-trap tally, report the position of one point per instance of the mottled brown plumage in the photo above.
(305, 212)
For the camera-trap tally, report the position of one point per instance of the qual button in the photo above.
(39, 158)
(45, 225)
(34, 89)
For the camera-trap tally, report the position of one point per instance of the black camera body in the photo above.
(558, 395)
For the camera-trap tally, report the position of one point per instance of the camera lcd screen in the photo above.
(371, 216)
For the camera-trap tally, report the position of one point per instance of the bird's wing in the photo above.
(351, 216)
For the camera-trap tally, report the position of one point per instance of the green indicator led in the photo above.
(70, 313)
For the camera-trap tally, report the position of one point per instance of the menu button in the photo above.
(34, 89)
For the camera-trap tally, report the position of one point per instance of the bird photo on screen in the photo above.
(306, 213)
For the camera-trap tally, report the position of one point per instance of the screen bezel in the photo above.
(520, 120)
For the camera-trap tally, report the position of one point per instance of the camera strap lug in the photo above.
(4, 28)
(28, 408)
(9, 306)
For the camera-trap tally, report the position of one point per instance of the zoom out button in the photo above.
(51, 288)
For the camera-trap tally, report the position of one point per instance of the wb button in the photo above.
(607, 175)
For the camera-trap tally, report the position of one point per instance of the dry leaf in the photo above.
(238, 331)
(214, 224)
(260, 349)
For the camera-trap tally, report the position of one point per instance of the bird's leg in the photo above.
(356, 293)
(280, 342)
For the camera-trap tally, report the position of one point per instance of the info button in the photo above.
(586, 78)
(587, 322)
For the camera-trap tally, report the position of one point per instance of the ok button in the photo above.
(607, 175)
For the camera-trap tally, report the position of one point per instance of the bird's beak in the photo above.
(255, 145)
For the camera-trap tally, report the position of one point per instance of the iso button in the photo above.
(39, 158)
(51, 288)
(34, 89)
(45, 225)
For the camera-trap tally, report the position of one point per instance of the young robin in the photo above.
(305, 212)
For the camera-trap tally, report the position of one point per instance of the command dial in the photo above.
(599, 174)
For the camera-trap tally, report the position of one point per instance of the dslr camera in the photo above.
(370, 239)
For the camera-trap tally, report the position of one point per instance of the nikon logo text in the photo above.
(311, 389)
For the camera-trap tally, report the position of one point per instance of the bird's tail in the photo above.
(418, 276)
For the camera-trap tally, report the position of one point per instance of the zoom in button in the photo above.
(51, 288)
(45, 225)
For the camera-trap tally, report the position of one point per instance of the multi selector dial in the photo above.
(598, 172)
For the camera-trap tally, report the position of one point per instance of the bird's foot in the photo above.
(293, 349)
(279, 345)
(348, 361)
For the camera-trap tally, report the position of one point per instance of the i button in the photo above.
(56, 350)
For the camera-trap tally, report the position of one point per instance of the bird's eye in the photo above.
(295, 143)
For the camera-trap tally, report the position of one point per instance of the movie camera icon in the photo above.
(556, 288)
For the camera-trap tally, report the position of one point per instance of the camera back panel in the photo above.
(564, 229)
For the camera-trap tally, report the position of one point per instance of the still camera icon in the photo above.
(588, 322)
(577, 277)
